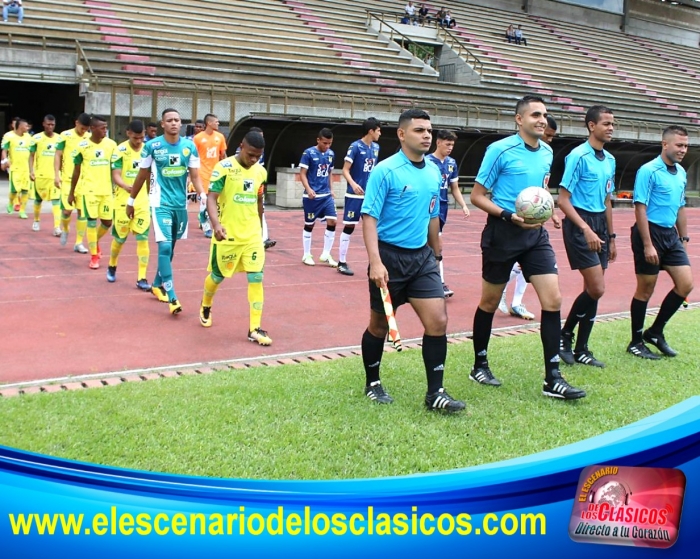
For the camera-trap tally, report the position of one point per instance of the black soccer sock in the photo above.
(585, 326)
(480, 336)
(434, 355)
(638, 310)
(550, 329)
(669, 306)
(578, 311)
(372, 349)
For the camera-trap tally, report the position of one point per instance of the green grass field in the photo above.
(313, 422)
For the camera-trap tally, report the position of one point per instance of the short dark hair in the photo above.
(84, 119)
(326, 133)
(50, 118)
(370, 124)
(152, 124)
(551, 122)
(208, 117)
(594, 113)
(254, 140)
(674, 129)
(94, 119)
(447, 135)
(255, 129)
(199, 121)
(135, 126)
(525, 102)
(410, 114)
(168, 110)
(20, 119)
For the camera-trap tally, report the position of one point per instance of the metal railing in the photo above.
(417, 50)
(452, 41)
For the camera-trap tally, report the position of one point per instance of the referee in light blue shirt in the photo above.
(400, 224)
(589, 238)
(659, 239)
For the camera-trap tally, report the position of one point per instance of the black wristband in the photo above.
(685, 239)
(438, 257)
(506, 215)
(612, 236)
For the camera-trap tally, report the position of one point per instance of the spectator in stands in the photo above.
(510, 34)
(441, 17)
(12, 7)
(519, 38)
(151, 131)
(410, 12)
(423, 16)
(449, 21)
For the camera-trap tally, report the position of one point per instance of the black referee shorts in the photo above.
(504, 243)
(580, 256)
(667, 244)
(412, 273)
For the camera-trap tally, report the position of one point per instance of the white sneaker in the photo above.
(308, 260)
(521, 312)
(80, 248)
(328, 259)
(503, 306)
(57, 232)
(36, 226)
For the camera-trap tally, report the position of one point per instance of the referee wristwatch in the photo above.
(612, 236)
(685, 239)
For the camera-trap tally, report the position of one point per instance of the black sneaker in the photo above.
(344, 269)
(565, 352)
(375, 392)
(585, 357)
(448, 292)
(269, 243)
(659, 342)
(441, 400)
(641, 350)
(483, 375)
(557, 387)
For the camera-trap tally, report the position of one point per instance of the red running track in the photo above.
(60, 318)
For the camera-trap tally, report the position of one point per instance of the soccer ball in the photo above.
(534, 204)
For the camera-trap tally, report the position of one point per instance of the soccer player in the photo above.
(517, 308)
(211, 146)
(444, 145)
(125, 167)
(509, 166)
(361, 158)
(589, 238)
(63, 173)
(12, 207)
(41, 172)
(16, 148)
(151, 131)
(399, 213)
(318, 200)
(92, 168)
(237, 189)
(659, 240)
(169, 157)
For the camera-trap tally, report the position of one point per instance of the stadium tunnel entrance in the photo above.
(287, 138)
(34, 100)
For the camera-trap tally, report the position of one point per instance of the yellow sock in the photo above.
(65, 223)
(210, 287)
(23, 200)
(142, 252)
(101, 230)
(56, 211)
(81, 226)
(255, 299)
(92, 237)
(11, 198)
(114, 252)
(37, 211)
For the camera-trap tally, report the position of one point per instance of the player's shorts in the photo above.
(45, 190)
(98, 206)
(19, 182)
(169, 224)
(319, 208)
(580, 256)
(64, 192)
(122, 225)
(503, 244)
(353, 208)
(668, 247)
(443, 214)
(226, 259)
(413, 273)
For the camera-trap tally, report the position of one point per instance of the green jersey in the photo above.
(169, 164)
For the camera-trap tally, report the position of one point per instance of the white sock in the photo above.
(442, 272)
(265, 235)
(307, 242)
(328, 240)
(344, 246)
(520, 287)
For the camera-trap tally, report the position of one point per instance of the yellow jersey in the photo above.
(127, 160)
(239, 190)
(68, 143)
(44, 149)
(95, 166)
(18, 150)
